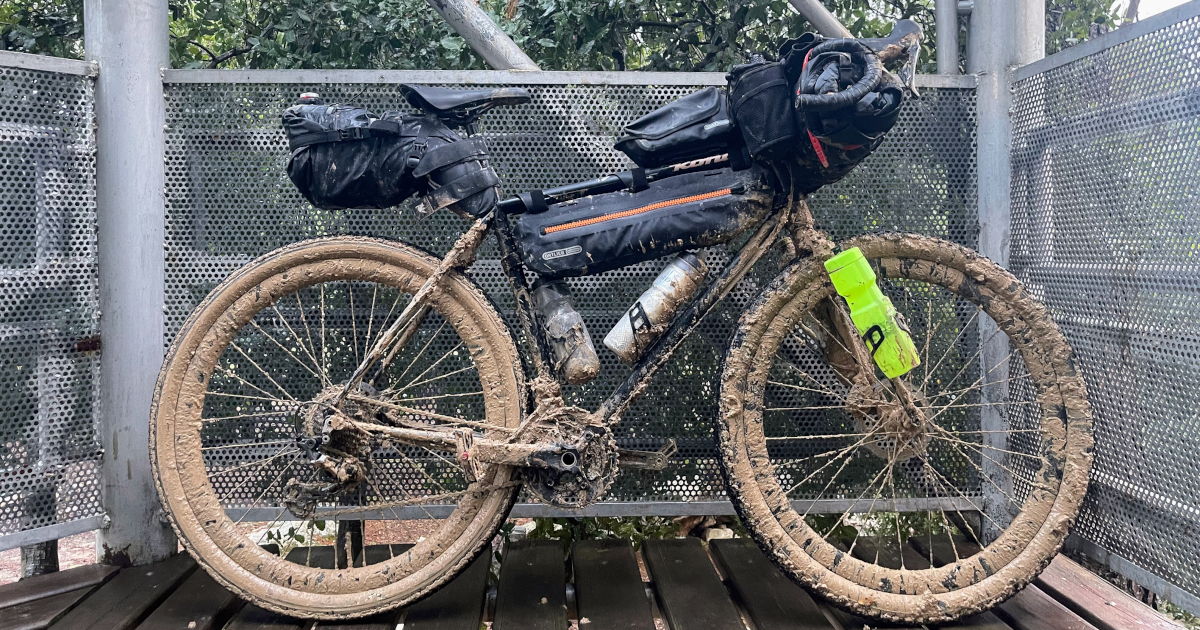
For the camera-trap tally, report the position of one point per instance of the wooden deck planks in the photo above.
(690, 592)
(252, 617)
(1031, 609)
(128, 597)
(457, 605)
(609, 591)
(772, 600)
(40, 613)
(1100, 603)
(532, 594)
(55, 583)
(200, 603)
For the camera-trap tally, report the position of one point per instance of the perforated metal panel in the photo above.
(229, 200)
(49, 321)
(1105, 218)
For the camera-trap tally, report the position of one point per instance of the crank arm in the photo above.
(646, 460)
(471, 453)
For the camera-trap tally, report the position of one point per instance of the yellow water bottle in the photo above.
(883, 331)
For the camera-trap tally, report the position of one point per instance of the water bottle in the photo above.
(876, 319)
(575, 358)
(648, 317)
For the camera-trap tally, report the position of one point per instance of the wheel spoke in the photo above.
(308, 333)
(262, 371)
(261, 462)
(952, 346)
(849, 449)
(353, 322)
(420, 354)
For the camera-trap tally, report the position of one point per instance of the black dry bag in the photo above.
(346, 157)
(696, 126)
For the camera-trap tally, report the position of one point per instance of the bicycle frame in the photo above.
(790, 212)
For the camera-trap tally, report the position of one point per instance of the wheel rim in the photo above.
(767, 407)
(223, 397)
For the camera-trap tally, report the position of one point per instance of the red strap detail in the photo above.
(802, 68)
(817, 147)
(815, 143)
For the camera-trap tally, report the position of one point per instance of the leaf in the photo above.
(546, 43)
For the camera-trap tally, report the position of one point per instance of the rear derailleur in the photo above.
(341, 458)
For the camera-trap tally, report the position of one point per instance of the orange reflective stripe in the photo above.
(629, 213)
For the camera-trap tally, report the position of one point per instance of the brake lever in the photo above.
(904, 42)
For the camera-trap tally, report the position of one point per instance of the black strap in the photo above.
(640, 182)
(453, 153)
(534, 201)
(463, 187)
(635, 179)
(377, 129)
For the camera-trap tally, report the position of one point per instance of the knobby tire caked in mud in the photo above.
(191, 502)
(933, 595)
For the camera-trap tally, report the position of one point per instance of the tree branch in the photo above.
(236, 52)
(202, 47)
(675, 25)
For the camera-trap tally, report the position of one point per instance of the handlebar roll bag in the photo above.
(597, 233)
(346, 157)
(695, 126)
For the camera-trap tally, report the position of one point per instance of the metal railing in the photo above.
(50, 451)
(1105, 225)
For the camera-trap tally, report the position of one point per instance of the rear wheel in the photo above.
(239, 430)
(923, 499)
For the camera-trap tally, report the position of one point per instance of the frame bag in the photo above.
(346, 157)
(602, 232)
(696, 126)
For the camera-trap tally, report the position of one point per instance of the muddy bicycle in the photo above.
(344, 424)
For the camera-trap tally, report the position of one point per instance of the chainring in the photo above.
(579, 462)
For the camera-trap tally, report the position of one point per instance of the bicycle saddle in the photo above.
(461, 107)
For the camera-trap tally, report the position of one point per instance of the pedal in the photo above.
(646, 460)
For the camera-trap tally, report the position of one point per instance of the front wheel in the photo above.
(923, 499)
(321, 523)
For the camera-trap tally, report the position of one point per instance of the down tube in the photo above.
(660, 352)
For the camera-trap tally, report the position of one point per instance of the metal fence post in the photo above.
(993, 31)
(129, 40)
(946, 27)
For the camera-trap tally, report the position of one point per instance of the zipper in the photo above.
(635, 211)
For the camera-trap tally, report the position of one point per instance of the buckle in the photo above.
(353, 133)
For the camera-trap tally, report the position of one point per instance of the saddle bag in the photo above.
(602, 232)
(346, 157)
(696, 126)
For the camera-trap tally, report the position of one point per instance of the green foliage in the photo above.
(1189, 621)
(634, 529)
(685, 35)
(45, 27)
(1069, 22)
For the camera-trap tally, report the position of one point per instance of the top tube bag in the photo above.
(696, 126)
